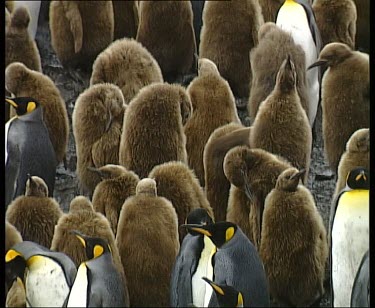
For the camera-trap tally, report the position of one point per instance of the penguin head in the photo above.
(332, 54)
(288, 179)
(20, 18)
(109, 171)
(286, 76)
(358, 178)
(359, 141)
(219, 233)
(227, 296)
(80, 203)
(238, 163)
(198, 216)
(266, 28)
(23, 105)
(36, 187)
(147, 187)
(15, 265)
(206, 67)
(94, 246)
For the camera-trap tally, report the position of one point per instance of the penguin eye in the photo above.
(30, 106)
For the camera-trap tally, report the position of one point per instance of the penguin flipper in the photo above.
(73, 15)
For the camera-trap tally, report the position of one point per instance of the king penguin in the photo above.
(349, 234)
(361, 287)
(98, 283)
(47, 275)
(297, 17)
(227, 296)
(35, 154)
(236, 262)
(192, 262)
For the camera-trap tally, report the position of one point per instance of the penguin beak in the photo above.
(11, 255)
(318, 63)
(247, 191)
(246, 187)
(360, 176)
(299, 174)
(197, 228)
(12, 102)
(108, 125)
(214, 286)
(80, 236)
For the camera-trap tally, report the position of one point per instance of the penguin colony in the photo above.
(132, 131)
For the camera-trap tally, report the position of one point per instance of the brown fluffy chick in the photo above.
(294, 246)
(179, 184)
(147, 239)
(254, 172)
(116, 186)
(217, 186)
(357, 154)
(19, 46)
(35, 215)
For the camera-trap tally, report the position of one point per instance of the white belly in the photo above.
(201, 290)
(46, 285)
(350, 240)
(295, 22)
(7, 125)
(78, 293)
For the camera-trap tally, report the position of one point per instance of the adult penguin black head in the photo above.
(219, 233)
(358, 178)
(15, 265)
(23, 105)
(198, 217)
(95, 246)
(227, 296)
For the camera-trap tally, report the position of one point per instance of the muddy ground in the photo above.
(72, 82)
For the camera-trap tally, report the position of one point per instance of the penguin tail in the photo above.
(73, 15)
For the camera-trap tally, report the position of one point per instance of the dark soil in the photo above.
(72, 82)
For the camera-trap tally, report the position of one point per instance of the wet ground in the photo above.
(72, 82)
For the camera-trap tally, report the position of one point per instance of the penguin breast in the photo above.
(350, 232)
(45, 282)
(78, 293)
(201, 290)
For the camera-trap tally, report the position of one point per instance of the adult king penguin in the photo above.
(35, 154)
(236, 263)
(349, 234)
(297, 17)
(98, 283)
(47, 275)
(193, 262)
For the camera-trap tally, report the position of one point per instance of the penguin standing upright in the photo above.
(192, 261)
(98, 283)
(28, 132)
(47, 275)
(347, 80)
(349, 234)
(294, 242)
(35, 215)
(297, 17)
(236, 262)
